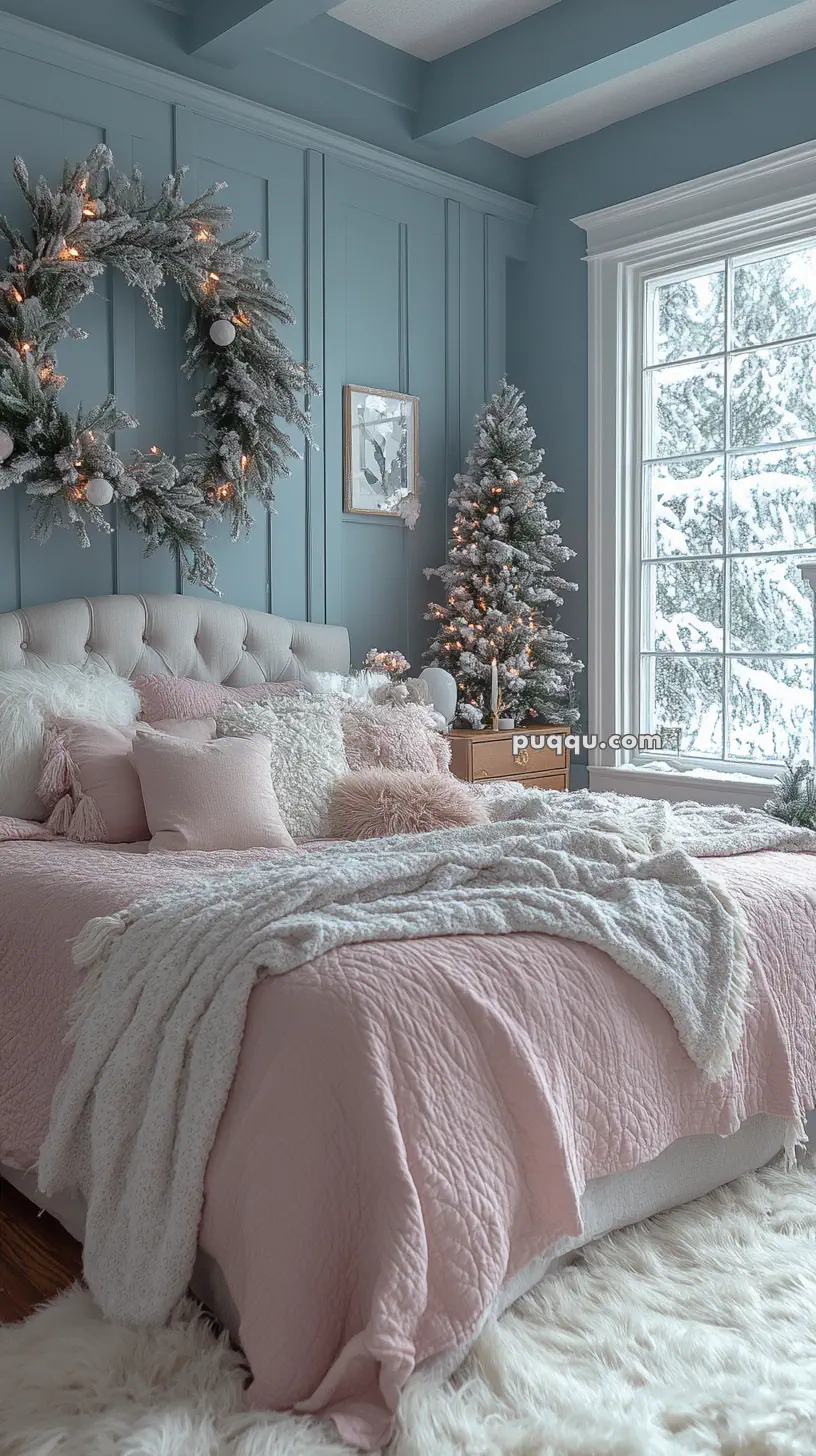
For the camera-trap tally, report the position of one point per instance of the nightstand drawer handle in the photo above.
(522, 758)
(482, 774)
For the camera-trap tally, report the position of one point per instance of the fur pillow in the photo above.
(378, 803)
(29, 695)
(382, 736)
(400, 694)
(164, 696)
(306, 754)
(361, 686)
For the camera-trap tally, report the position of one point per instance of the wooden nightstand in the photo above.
(477, 756)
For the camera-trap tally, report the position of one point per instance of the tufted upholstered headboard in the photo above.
(185, 636)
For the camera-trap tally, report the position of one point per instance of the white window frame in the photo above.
(760, 204)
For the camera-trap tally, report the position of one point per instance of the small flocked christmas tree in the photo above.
(501, 578)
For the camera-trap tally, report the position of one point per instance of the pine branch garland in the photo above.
(794, 799)
(100, 219)
(502, 577)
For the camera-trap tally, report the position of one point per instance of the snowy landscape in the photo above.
(729, 509)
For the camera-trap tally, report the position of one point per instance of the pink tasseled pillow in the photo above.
(204, 796)
(382, 736)
(88, 784)
(377, 803)
(165, 697)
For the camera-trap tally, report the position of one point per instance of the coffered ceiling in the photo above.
(524, 75)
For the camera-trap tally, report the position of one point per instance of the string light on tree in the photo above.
(223, 492)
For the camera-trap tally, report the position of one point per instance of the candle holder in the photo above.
(496, 714)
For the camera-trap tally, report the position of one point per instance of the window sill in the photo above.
(648, 783)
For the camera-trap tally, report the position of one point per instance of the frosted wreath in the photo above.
(99, 218)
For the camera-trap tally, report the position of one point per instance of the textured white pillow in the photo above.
(28, 695)
(307, 755)
(361, 686)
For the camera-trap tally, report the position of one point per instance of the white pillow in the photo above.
(307, 755)
(27, 696)
(361, 686)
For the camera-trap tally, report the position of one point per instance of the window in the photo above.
(702, 480)
(728, 507)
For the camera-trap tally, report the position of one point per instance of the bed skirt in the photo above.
(687, 1169)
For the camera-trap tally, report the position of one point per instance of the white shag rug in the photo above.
(693, 1333)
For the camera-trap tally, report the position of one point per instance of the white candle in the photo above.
(494, 686)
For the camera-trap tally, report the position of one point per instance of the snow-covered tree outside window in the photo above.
(728, 507)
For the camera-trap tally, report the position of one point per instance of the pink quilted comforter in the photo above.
(411, 1124)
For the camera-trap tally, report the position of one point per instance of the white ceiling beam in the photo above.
(224, 30)
(568, 51)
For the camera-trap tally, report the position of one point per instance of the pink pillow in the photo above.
(376, 803)
(209, 795)
(164, 696)
(89, 784)
(397, 738)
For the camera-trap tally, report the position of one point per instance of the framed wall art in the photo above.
(380, 451)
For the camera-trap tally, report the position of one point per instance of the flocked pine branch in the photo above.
(794, 798)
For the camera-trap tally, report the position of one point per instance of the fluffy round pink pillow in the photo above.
(376, 803)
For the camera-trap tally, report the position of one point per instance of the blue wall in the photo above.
(749, 117)
(398, 277)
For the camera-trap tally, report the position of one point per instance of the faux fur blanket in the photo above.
(158, 1023)
(650, 825)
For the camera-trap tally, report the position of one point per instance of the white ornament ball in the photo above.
(222, 332)
(99, 491)
(6, 444)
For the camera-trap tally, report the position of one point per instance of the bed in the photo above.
(361, 1216)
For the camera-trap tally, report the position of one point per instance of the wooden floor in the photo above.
(37, 1257)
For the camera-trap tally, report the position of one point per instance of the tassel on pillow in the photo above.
(73, 814)
(61, 815)
(58, 775)
(87, 824)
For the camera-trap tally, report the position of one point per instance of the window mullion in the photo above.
(813, 696)
(726, 567)
(647, 348)
(799, 443)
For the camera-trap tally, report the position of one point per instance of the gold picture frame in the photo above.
(380, 451)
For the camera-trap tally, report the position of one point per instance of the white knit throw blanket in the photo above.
(157, 1024)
